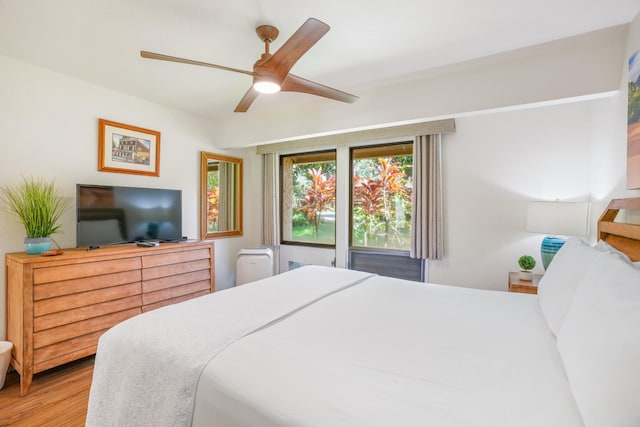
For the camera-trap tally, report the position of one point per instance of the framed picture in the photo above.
(128, 149)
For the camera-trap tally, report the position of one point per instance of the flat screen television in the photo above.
(108, 215)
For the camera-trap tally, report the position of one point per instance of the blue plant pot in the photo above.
(37, 245)
(550, 245)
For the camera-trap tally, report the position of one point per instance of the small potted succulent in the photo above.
(39, 206)
(526, 263)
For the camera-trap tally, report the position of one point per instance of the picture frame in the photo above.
(128, 149)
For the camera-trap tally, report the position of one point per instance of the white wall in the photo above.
(493, 164)
(567, 68)
(49, 128)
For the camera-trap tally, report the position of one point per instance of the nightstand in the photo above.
(523, 286)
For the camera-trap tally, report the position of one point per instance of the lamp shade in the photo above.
(556, 219)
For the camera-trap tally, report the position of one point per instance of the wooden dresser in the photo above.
(57, 307)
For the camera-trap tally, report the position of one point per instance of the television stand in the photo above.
(58, 307)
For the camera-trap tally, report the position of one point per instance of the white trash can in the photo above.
(5, 358)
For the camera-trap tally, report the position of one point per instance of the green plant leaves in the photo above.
(527, 262)
(38, 205)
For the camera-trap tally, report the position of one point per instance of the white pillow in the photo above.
(599, 344)
(557, 287)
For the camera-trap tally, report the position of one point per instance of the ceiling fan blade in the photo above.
(247, 100)
(294, 83)
(281, 62)
(161, 57)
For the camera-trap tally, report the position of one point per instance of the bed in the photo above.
(320, 346)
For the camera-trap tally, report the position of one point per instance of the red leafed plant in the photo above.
(374, 195)
(319, 195)
(212, 208)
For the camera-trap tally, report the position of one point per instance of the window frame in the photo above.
(350, 245)
(310, 153)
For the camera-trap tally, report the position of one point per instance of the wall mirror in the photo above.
(220, 196)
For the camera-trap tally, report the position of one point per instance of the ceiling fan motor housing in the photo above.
(267, 32)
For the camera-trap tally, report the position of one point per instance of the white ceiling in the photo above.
(370, 41)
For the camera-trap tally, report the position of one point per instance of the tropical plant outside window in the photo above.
(213, 187)
(308, 198)
(381, 196)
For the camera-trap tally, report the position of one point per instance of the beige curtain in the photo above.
(426, 214)
(270, 200)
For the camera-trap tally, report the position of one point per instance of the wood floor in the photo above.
(58, 397)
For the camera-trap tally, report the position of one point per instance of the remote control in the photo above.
(148, 244)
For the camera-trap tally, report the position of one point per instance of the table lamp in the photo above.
(557, 220)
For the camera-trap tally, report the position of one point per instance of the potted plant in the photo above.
(526, 263)
(39, 205)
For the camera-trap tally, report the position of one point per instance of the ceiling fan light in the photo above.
(266, 87)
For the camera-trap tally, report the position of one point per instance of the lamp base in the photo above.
(550, 245)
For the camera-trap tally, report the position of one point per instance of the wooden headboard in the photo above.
(624, 237)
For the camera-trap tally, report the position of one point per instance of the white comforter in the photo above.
(369, 351)
(394, 353)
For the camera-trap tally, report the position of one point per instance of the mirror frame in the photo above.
(204, 164)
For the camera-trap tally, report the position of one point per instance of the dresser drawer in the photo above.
(175, 291)
(72, 286)
(175, 257)
(68, 302)
(174, 269)
(78, 329)
(177, 280)
(47, 356)
(181, 298)
(84, 269)
(61, 318)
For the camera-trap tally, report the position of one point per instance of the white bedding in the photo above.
(394, 353)
(320, 346)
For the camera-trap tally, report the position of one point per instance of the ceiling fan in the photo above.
(271, 72)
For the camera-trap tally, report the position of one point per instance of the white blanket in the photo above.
(147, 368)
(394, 353)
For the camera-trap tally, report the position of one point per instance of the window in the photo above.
(308, 186)
(381, 196)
